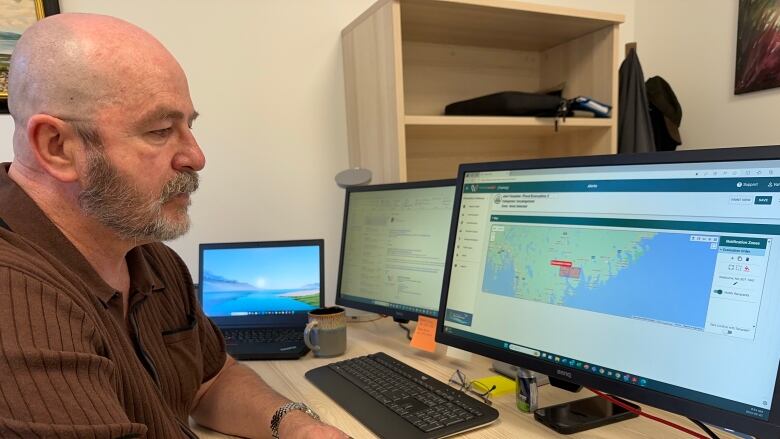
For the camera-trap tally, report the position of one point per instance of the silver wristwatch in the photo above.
(287, 408)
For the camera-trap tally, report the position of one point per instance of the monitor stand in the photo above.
(354, 315)
(582, 414)
(402, 323)
(510, 371)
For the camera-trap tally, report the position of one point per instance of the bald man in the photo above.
(101, 335)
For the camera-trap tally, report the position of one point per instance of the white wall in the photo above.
(6, 131)
(692, 44)
(266, 76)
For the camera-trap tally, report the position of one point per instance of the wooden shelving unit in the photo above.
(405, 60)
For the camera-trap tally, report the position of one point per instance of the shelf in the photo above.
(498, 23)
(527, 126)
(571, 122)
(506, 24)
(436, 145)
(406, 60)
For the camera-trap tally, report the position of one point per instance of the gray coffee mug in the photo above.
(326, 332)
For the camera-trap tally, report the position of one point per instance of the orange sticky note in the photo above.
(425, 334)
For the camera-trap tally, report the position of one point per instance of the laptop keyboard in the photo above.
(262, 335)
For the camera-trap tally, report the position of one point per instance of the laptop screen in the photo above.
(268, 279)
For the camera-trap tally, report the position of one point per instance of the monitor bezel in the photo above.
(692, 409)
(340, 300)
(297, 319)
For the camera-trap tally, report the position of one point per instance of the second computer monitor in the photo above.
(393, 247)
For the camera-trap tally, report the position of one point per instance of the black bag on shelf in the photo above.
(509, 103)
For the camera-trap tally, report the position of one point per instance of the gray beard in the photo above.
(116, 203)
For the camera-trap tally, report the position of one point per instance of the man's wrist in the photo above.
(294, 424)
(290, 415)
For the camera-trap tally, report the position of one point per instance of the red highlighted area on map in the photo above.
(566, 269)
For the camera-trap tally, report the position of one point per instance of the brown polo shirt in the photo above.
(69, 365)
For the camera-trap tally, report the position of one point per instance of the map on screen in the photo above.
(625, 273)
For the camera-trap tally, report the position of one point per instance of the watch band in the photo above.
(276, 420)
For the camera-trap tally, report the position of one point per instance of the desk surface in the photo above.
(363, 338)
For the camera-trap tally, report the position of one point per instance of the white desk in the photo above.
(287, 377)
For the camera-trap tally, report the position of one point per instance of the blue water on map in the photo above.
(669, 282)
(500, 281)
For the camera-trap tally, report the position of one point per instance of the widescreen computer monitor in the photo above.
(655, 277)
(393, 246)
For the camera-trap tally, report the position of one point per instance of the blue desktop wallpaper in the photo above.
(243, 281)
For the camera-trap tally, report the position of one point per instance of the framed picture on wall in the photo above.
(758, 36)
(15, 17)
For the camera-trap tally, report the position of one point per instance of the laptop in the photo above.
(259, 294)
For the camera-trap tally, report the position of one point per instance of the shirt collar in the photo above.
(143, 277)
(25, 218)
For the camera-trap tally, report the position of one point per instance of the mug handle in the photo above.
(307, 335)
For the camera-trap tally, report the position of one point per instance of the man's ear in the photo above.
(54, 144)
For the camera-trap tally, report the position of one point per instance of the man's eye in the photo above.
(164, 132)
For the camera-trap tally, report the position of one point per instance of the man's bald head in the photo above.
(73, 65)
(103, 137)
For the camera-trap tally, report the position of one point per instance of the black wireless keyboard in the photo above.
(395, 400)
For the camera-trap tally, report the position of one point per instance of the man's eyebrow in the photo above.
(164, 113)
